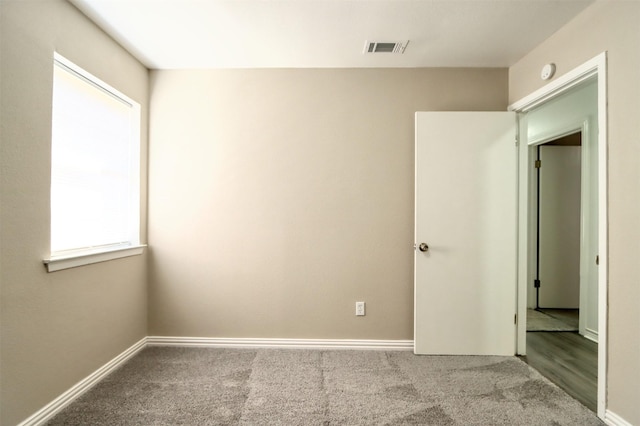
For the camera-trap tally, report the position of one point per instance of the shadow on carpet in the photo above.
(206, 386)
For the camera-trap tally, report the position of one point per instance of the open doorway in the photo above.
(556, 345)
(539, 124)
(558, 218)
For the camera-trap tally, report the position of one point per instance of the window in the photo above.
(95, 170)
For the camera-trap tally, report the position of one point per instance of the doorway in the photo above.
(557, 213)
(555, 345)
(539, 123)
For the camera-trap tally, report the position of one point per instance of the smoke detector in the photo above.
(548, 71)
(385, 46)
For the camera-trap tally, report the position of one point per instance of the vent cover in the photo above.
(385, 46)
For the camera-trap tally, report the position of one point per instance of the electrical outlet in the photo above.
(360, 308)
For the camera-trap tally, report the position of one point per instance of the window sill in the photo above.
(57, 263)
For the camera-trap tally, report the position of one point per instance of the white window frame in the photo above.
(84, 256)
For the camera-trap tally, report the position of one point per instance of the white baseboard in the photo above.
(55, 406)
(591, 335)
(58, 404)
(613, 419)
(387, 345)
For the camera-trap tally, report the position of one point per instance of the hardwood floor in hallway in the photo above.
(568, 360)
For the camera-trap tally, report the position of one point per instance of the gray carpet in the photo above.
(542, 321)
(198, 386)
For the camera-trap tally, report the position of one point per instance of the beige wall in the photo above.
(612, 26)
(279, 198)
(57, 328)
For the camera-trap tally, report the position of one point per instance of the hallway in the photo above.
(568, 360)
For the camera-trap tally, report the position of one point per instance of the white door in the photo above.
(465, 281)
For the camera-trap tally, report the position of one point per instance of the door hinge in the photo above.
(538, 164)
(515, 318)
(536, 283)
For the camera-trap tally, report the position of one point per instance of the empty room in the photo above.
(317, 211)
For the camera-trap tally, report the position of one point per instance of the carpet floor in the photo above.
(207, 386)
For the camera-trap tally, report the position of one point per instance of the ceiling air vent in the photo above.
(385, 46)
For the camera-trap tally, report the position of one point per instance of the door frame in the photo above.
(584, 127)
(596, 66)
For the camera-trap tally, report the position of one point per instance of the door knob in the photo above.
(423, 247)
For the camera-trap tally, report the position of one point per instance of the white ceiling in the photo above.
(166, 34)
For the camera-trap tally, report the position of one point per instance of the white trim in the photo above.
(596, 66)
(591, 335)
(58, 404)
(69, 66)
(130, 237)
(541, 139)
(223, 342)
(54, 407)
(563, 83)
(603, 232)
(57, 263)
(613, 419)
